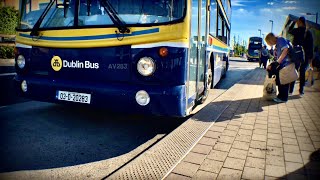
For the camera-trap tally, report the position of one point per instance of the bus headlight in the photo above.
(21, 61)
(146, 66)
(24, 86)
(142, 98)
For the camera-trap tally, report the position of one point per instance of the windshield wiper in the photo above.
(114, 16)
(36, 27)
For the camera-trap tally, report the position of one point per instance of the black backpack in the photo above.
(296, 53)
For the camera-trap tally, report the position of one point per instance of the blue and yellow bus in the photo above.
(254, 47)
(157, 57)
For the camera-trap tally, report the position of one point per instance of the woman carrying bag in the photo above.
(282, 47)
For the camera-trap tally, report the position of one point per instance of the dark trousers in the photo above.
(302, 77)
(283, 88)
(263, 61)
(283, 92)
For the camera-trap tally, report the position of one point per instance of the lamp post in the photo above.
(260, 32)
(271, 25)
(316, 14)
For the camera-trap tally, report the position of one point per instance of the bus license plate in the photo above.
(74, 97)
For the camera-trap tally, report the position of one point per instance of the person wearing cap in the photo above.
(302, 37)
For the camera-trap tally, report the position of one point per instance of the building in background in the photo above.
(313, 27)
(12, 3)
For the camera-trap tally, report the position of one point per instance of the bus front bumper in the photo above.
(254, 58)
(118, 97)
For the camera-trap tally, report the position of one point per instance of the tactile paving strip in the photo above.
(159, 159)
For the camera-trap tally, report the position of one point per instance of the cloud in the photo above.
(265, 10)
(290, 2)
(237, 4)
(270, 3)
(241, 13)
(240, 3)
(289, 8)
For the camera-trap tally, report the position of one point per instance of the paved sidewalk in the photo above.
(6, 62)
(7, 67)
(258, 139)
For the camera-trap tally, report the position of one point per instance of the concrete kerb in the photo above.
(7, 62)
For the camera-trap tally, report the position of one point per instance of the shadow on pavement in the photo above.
(309, 171)
(43, 136)
(238, 60)
(237, 108)
(252, 105)
(243, 60)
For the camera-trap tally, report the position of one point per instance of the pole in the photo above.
(271, 25)
(260, 32)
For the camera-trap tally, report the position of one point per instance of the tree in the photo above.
(8, 20)
(8, 23)
(239, 49)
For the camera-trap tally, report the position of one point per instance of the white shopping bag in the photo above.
(309, 77)
(270, 88)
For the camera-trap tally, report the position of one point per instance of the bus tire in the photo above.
(209, 83)
(225, 69)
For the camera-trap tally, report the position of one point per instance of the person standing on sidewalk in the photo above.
(282, 49)
(302, 37)
(264, 56)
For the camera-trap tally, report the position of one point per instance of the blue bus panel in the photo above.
(109, 75)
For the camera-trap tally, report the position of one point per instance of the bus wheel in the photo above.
(225, 70)
(208, 84)
(210, 77)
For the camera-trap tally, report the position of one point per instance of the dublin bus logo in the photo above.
(56, 63)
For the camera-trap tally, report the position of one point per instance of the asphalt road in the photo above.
(8, 94)
(36, 135)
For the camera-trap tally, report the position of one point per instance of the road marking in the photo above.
(8, 74)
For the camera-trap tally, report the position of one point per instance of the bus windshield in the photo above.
(255, 43)
(255, 40)
(94, 12)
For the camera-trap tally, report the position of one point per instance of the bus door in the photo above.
(202, 47)
(197, 57)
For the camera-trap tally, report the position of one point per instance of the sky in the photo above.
(250, 15)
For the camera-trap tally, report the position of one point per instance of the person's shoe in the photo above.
(290, 94)
(301, 94)
(278, 100)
